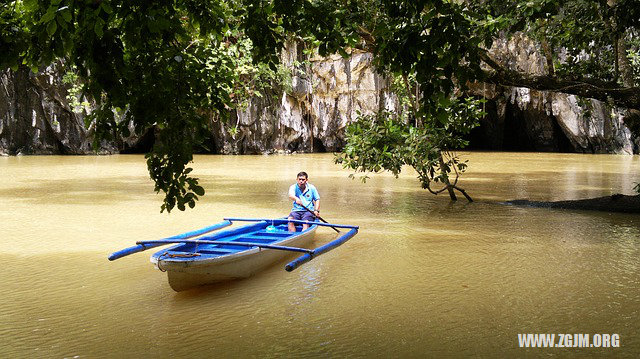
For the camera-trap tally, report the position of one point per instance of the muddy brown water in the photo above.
(423, 278)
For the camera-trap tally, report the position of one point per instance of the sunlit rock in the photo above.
(546, 121)
(325, 95)
(35, 116)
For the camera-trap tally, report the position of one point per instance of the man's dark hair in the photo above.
(302, 174)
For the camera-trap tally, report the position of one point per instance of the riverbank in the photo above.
(615, 203)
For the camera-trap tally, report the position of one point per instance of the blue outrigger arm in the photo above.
(313, 253)
(321, 250)
(145, 246)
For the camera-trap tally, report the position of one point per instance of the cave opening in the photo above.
(518, 131)
(318, 146)
(143, 145)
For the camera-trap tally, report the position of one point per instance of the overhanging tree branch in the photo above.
(628, 97)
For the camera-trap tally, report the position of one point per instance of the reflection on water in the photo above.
(423, 277)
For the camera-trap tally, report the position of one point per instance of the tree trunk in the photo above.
(623, 67)
(626, 72)
(452, 194)
(548, 55)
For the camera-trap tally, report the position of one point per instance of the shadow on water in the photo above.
(546, 185)
(79, 191)
(131, 188)
(211, 291)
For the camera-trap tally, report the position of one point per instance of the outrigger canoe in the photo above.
(199, 258)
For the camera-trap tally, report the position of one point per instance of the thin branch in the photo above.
(435, 192)
(412, 100)
(369, 40)
(464, 193)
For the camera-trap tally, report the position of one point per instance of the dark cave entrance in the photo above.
(518, 131)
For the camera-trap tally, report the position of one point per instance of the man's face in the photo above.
(302, 181)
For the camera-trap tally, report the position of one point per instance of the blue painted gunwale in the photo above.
(207, 253)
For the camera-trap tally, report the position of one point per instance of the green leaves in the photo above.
(374, 143)
(104, 5)
(387, 141)
(170, 175)
(579, 37)
(52, 26)
(49, 15)
(98, 27)
(125, 53)
(66, 14)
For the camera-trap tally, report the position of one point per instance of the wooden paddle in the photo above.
(320, 218)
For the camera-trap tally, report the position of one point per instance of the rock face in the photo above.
(524, 119)
(310, 115)
(35, 117)
(325, 95)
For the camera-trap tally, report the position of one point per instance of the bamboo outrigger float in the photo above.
(198, 259)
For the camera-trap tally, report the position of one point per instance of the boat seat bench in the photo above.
(257, 239)
(274, 234)
(217, 250)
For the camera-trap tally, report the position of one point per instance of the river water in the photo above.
(423, 278)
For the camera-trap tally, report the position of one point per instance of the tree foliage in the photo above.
(169, 66)
(174, 66)
(590, 46)
(430, 49)
(386, 141)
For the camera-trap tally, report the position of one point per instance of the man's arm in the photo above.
(316, 202)
(292, 195)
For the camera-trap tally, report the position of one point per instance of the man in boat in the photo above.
(306, 201)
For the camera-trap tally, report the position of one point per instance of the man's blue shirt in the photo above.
(307, 197)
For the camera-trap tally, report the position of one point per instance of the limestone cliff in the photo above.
(325, 94)
(36, 118)
(524, 119)
(310, 115)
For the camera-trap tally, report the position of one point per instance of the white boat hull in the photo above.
(185, 275)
